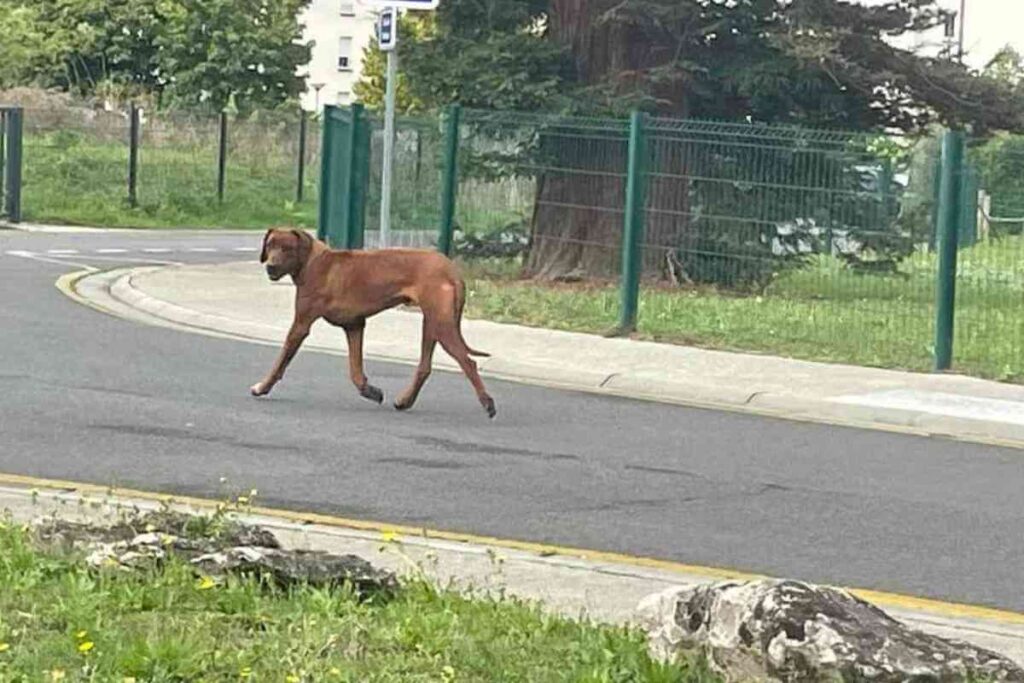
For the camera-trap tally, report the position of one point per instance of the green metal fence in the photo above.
(190, 170)
(809, 243)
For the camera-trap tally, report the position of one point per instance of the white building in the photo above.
(340, 30)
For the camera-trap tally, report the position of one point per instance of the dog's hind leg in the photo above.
(354, 333)
(452, 342)
(409, 396)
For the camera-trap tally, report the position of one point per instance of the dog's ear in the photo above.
(305, 244)
(263, 250)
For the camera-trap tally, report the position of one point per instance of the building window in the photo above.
(348, 9)
(345, 54)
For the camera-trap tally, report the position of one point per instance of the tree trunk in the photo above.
(579, 213)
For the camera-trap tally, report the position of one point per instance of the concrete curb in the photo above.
(564, 581)
(114, 292)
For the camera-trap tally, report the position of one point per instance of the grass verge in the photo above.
(823, 312)
(62, 621)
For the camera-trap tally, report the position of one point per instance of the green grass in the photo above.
(60, 621)
(71, 179)
(823, 312)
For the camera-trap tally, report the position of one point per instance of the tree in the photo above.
(816, 63)
(246, 51)
(24, 47)
(184, 52)
(1007, 66)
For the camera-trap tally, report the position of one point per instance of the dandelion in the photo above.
(291, 678)
(4, 647)
(57, 675)
(389, 535)
(335, 671)
(246, 672)
(86, 647)
(82, 635)
(206, 583)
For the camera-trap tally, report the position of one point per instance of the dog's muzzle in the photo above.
(274, 273)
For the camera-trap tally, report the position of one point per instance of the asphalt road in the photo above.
(93, 398)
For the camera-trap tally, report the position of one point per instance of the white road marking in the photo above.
(62, 251)
(62, 262)
(111, 251)
(202, 250)
(250, 249)
(157, 250)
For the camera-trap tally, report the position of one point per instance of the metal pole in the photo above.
(950, 196)
(222, 156)
(389, 148)
(632, 235)
(450, 180)
(133, 156)
(12, 177)
(301, 170)
(963, 20)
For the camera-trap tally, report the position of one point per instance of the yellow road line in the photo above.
(880, 598)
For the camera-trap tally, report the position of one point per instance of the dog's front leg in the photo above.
(296, 335)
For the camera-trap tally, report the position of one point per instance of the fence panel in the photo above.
(989, 327)
(75, 166)
(799, 242)
(416, 182)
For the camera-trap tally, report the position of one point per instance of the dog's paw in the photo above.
(489, 408)
(372, 393)
(259, 389)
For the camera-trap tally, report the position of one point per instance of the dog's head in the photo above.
(285, 252)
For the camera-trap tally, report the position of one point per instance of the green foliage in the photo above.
(488, 54)
(189, 52)
(1001, 163)
(24, 47)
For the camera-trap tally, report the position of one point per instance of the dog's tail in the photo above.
(460, 302)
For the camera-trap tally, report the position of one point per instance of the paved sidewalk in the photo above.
(237, 299)
(602, 588)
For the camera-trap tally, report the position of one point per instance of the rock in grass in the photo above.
(214, 546)
(291, 567)
(789, 631)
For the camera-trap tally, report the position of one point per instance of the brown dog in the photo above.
(347, 287)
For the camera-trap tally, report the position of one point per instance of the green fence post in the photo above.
(222, 155)
(133, 156)
(355, 210)
(633, 226)
(300, 181)
(450, 180)
(12, 164)
(950, 198)
(326, 166)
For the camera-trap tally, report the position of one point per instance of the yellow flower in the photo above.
(81, 635)
(86, 647)
(4, 647)
(389, 535)
(206, 583)
(57, 675)
(246, 672)
(335, 671)
(291, 678)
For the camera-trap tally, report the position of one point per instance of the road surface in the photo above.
(93, 398)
